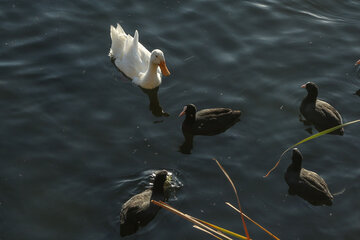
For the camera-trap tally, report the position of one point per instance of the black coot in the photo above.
(357, 92)
(319, 113)
(208, 121)
(306, 184)
(138, 210)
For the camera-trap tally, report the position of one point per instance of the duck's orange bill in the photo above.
(357, 63)
(165, 71)
(303, 86)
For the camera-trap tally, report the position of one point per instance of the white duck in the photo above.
(135, 61)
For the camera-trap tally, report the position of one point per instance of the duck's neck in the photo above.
(295, 166)
(311, 97)
(158, 189)
(190, 118)
(151, 72)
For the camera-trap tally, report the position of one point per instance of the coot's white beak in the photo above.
(183, 111)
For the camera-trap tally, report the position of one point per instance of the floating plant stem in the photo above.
(197, 222)
(268, 232)
(237, 196)
(310, 138)
(221, 229)
(204, 230)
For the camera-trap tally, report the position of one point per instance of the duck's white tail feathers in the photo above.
(118, 41)
(134, 45)
(119, 29)
(136, 40)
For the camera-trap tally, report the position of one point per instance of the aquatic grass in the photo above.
(236, 194)
(240, 210)
(211, 229)
(204, 230)
(310, 138)
(222, 229)
(202, 224)
(257, 224)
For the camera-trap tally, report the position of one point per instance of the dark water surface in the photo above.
(78, 139)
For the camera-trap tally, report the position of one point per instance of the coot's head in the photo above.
(160, 178)
(189, 110)
(296, 159)
(311, 88)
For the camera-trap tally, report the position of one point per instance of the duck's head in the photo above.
(157, 58)
(189, 110)
(160, 178)
(296, 159)
(311, 88)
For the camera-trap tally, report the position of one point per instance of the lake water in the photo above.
(78, 138)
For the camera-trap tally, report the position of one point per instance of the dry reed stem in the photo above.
(268, 232)
(188, 217)
(237, 197)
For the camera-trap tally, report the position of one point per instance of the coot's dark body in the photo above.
(357, 92)
(208, 121)
(138, 210)
(306, 184)
(320, 113)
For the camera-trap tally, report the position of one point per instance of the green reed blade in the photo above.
(310, 138)
(197, 221)
(222, 229)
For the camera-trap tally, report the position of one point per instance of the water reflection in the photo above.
(306, 124)
(154, 104)
(187, 145)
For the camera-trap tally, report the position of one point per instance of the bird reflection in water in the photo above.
(154, 104)
(187, 145)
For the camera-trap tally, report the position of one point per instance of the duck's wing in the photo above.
(329, 111)
(214, 112)
(140, 53)
(131, 57)
(322, 115)
(132, 63)
(215, 120)
(136, 203)
(314, 180)
(217, 115)
(130, 214)
(118, 41)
